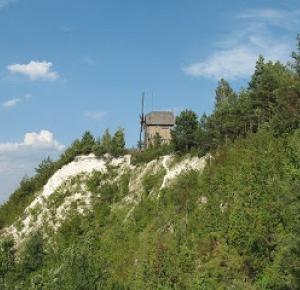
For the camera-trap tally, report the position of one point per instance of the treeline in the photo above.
(271, 100)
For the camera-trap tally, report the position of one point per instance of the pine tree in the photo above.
(185, 131)
(87, 143)
(106, 141)
(256, 77)
(118, 143)
(296, 57)
(225, 96)
(222, 122)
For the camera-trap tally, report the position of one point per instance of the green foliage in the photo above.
(118, 143)
(296, 57)
(87, 143)
(152, 182)
(151, 153)
(225, 96)
(185, 130)
(7, 257)
(234, 226)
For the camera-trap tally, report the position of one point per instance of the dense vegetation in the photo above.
(235, 226)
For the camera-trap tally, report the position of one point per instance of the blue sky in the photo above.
(70, 66)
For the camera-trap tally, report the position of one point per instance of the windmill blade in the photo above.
(142, 120)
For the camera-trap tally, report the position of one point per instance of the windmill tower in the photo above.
(153, 123)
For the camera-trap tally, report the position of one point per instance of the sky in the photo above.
(71, 66)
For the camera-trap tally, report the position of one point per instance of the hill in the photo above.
(232, 224)
(218, 208)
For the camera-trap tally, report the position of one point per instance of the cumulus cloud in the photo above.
(235, 56)
(32, 140)
(95, 115)
(34, 70)
(20, 158)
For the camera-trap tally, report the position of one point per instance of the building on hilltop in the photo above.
(160, 122)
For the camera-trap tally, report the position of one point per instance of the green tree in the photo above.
(222, 123)
(32, 256)
(106, 141)
(185, 131)
(98, 148)
(44, 171)
(296, 57)
(118, 143)
(225, 96)
(7, 257)
(256, 77)
(87, 143)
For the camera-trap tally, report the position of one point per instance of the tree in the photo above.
(7, 256)
(87, 143)
(259, 67)
(106, 141)
(296, 57)
(222, 122)
(118, 143)
(203, 135)
(44, 171)
(185, 130)
(98, 148)
(32, 256)
(225, 96)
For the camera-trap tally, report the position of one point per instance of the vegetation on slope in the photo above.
(235, 226)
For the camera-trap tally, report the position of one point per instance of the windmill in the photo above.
(142, 121)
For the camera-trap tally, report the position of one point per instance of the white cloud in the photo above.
(4, 3)
(32, 140)
(239, 61)
(44, 139)
(11, 103)
(95, 115)
(34, 70)
(235, 56)
(229, 64)
(20, 158)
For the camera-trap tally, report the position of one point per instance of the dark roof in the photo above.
(160, 118)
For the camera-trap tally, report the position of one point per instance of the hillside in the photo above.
(72, 188)
(217, 208)
(172, 223)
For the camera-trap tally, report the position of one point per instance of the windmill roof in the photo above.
(160, 118)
